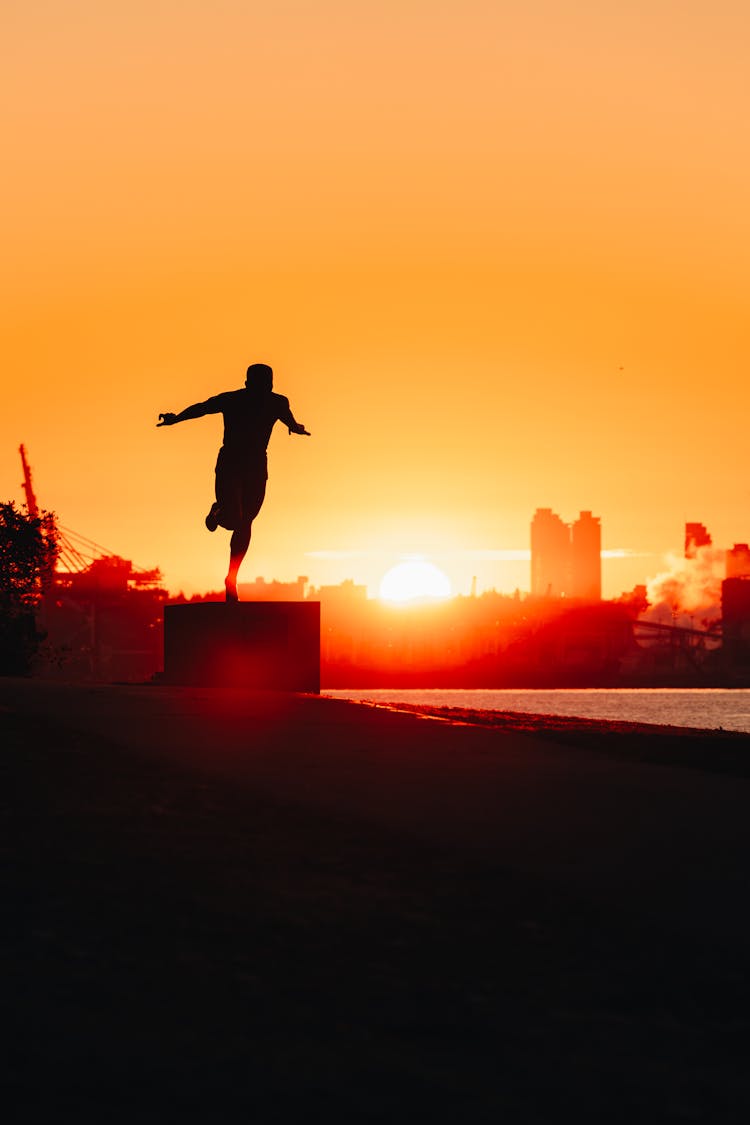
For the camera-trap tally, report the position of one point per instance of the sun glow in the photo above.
(414, 580)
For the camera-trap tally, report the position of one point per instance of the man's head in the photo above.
(259, 377)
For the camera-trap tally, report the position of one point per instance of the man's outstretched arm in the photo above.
(197, 410)
(291, 422)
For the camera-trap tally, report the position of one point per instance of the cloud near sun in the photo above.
(509, 554)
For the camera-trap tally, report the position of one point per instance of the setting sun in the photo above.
(412, 580)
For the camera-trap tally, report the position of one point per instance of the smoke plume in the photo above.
(689, 586)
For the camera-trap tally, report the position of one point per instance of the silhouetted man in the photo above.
(242, 467)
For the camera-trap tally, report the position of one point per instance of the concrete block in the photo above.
(268, 645)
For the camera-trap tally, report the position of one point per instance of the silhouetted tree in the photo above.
(28, 553)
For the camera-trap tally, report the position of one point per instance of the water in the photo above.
(708, 708)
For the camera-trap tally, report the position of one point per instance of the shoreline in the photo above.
(716, 751)
(538, 722)
(688, 710)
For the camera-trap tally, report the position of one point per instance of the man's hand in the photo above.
(167, 420)
(298, 428)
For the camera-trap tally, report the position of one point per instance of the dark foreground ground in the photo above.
(255, 908)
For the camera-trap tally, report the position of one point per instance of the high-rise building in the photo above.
(586, 558)
(695, 536)
(738, 561)
(565, 560)
(550, 555)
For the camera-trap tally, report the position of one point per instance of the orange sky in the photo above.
(497, 253)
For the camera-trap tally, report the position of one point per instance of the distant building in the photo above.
(550, 555)
(586, 558)
(738, 561)
(695, 536)
(262, 591)
(566, 560)
(344, 596)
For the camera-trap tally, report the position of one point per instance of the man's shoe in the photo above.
(231, 589)
(212, 519)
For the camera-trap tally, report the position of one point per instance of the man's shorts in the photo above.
(240, 489)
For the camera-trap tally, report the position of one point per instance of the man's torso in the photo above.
(248, 420)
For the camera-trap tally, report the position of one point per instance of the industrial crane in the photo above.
(76, 552)
(101, 616)
(28, 487)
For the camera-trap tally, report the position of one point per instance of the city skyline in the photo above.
(688, 627)
(693, 577)
(591, 583)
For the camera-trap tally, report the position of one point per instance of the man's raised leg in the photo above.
(238, 546)
(212, 519)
